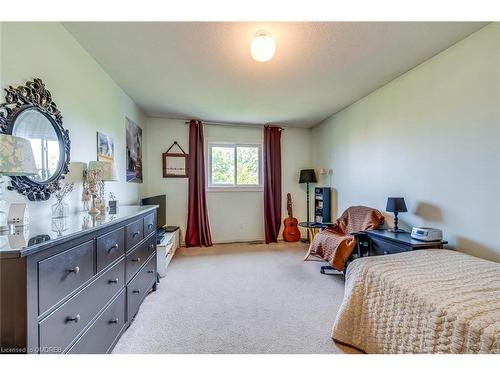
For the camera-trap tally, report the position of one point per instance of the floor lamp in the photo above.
(307, 176)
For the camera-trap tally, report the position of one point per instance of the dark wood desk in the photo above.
(383, 242)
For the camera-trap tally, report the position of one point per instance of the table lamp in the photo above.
(396, 205)
(16, 159)
(107, 172)
(307, 176)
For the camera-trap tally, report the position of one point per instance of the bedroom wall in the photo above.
(236, 215)
(88, 98)
(1, 81)
(433, 136)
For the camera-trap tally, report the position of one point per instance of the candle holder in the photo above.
(91, 179)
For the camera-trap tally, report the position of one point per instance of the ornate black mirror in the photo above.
(30, 113)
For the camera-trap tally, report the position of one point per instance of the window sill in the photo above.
(234, 189)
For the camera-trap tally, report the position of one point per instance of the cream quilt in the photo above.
(425, 301)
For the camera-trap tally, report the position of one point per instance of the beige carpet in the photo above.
(239, 298)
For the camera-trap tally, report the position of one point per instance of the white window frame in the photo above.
(234, 186)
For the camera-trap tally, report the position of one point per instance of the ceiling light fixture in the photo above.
(263, 46)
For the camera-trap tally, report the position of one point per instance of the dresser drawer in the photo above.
(61, 274)
(61, 327)
(139, 286)
(381, 247)
(134, 233)
(139, 255)
(110, 247)
(149, 224)
(104, 331)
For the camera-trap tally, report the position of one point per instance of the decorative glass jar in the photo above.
(60, 209)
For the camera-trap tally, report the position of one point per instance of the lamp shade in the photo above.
(16, 156)
(396, 205)
(307, 176)
(107, 169)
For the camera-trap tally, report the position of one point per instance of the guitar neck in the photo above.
(289, 206)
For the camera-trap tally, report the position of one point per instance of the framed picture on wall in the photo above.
(134, 152)
(105, 147)
(175, 164)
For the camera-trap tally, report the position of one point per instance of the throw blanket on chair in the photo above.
(336, 244)
(423, 301)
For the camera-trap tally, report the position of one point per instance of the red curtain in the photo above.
(272, 182)
(198, 228)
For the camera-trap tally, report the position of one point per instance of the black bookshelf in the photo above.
(322, 205)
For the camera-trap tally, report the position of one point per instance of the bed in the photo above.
(424, 301)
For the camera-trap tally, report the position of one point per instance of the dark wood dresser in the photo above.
(75, 285)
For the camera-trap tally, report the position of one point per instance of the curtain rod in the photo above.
(237, 124)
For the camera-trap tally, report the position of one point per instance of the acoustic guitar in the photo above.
(291, 232)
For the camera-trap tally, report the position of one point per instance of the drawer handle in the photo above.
(386, 252)
(136, 260)
(74, 270)
(115, 246)
(75, 319)
(150, 225)
(135, 234)
(136, 291)
(113, 281)
(151, 271)
(113, 321)
(152, 246)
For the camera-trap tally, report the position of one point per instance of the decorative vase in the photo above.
(59, 225)
(60, 209)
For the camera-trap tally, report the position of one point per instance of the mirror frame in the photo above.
(34, 95)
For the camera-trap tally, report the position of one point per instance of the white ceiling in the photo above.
(205, 70)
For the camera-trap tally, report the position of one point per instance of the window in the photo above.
(234, 166)
(46, 154)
